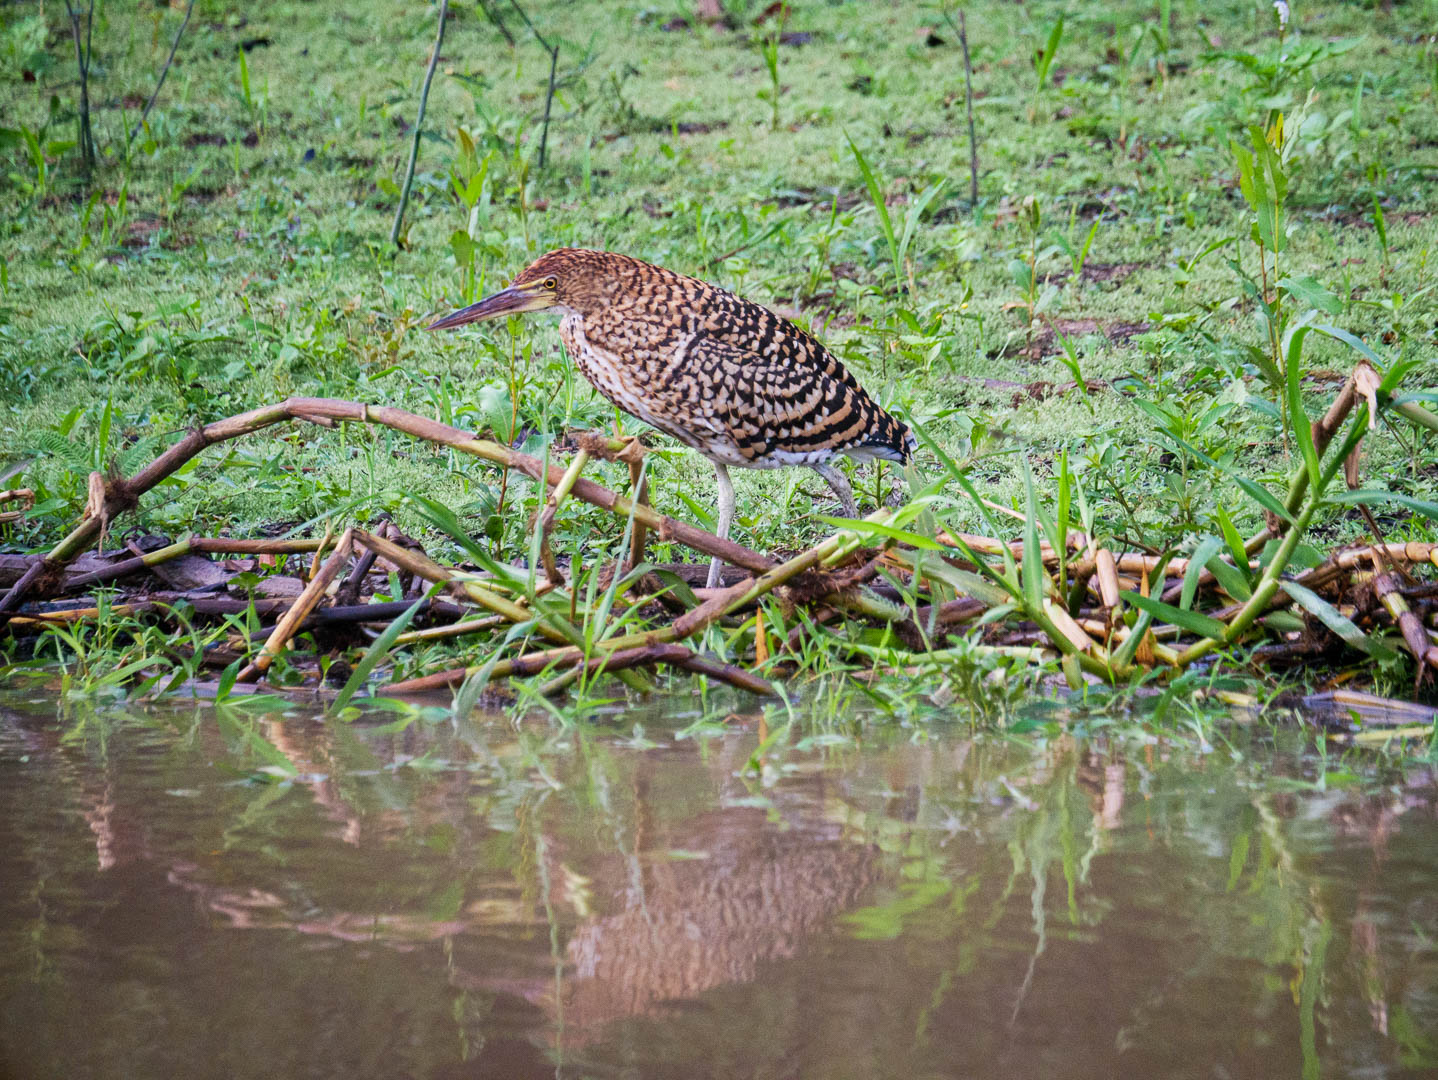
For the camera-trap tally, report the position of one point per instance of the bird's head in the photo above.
(566, 279)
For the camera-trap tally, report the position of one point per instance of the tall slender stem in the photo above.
(969, 105)
(418, 127)
(164, 72)
(82, 61)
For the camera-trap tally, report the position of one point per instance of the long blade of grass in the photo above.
(876, 196)
(1336, 621)
(1372, 496)
(1192, 621)
(378, 650)
(1302, 427)
(1207, 548)
(1033, 577)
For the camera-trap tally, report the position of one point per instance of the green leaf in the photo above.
(1232, 539)
(1264, 498)
(1302, 426)
(1372, 497)
(1351, 341)
(967, 583)
(1232, 580)
(1309, 290)
(915, 213)
(1051, 47)
(1207, 548)
(876, 531)
(1124, 654)
(1336, 621)
(1191, 621)
(988, 571)
(377, 651)
(445, 519)
(1034, 576)
(876, 196)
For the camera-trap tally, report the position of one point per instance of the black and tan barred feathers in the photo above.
(723, 375)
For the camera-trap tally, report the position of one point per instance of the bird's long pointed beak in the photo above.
(511, 301)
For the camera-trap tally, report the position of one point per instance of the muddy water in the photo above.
(202, 893)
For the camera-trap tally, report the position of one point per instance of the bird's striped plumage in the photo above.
(728, 377)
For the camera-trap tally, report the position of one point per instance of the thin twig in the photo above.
(418, 127)
(82, 61)
(493, 16)
(969, 104)
(553, 51)
(164, 72)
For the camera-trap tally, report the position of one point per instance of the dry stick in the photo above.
(639, 485)
(11, 599)
(164, 72)
(303, 605)
(425, 567)
(24, 495)
(418, 127)
(122, 494)
(1388, 588)
(194, 545)
(551, 508)
(1335, 565)
(969, 104)
(349, 591)
(432, 571)
(50, 618)
(1323, 431)
(434, 633)
(675, 655)
(264, 608)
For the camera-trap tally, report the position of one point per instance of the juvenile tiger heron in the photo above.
(723, 375)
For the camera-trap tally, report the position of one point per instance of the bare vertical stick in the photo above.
(553, 51)
(82, 61)
(969, 103)
(164, 71)
(418, 127)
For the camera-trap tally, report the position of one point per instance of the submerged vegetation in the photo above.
(1172, 369)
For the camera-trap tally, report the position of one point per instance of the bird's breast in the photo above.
(643, 380)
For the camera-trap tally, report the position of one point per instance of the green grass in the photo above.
(239, 252)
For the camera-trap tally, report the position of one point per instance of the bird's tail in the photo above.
(890, 440)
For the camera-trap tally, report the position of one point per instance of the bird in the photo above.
(723, 375)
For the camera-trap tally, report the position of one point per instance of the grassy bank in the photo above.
(1115, 295)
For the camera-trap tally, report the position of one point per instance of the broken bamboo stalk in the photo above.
(194, 545)
(303, 605)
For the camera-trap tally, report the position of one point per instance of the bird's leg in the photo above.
(726, 518)
(841, 488)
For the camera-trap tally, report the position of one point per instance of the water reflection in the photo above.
(206, 893)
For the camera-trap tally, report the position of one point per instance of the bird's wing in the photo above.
(776, 407)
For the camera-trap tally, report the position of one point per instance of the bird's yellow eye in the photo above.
(549, 283)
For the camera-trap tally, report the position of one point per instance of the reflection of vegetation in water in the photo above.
(1061, 817)
(592, 879)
